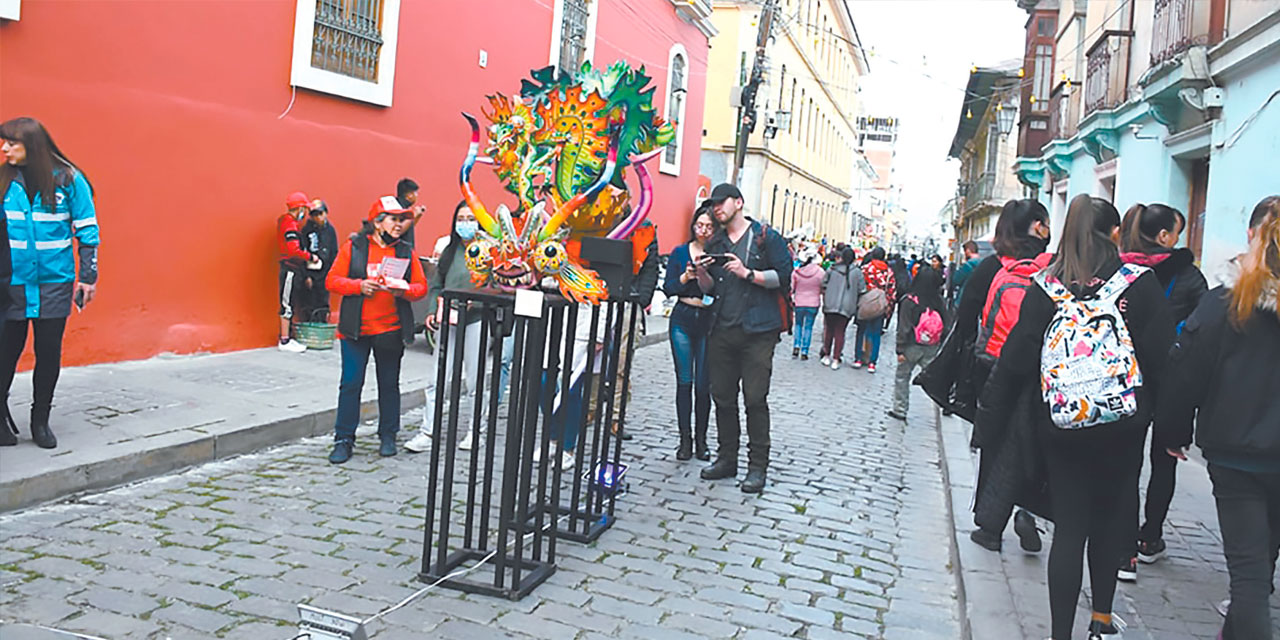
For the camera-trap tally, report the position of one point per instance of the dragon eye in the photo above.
(551, 251)
(473, 251)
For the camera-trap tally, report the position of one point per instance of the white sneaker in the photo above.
(420, 442)
(835, 365)
(465, 443)
(566, 460)
(292, 346)
(826, 362)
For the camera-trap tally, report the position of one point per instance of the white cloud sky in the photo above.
(922, 51)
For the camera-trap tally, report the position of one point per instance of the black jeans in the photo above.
(1164, 475)
(737, 358)
(1249, 517)
(48, 348)
(1093, 483)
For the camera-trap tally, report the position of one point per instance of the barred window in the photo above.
(573, 35)
(675, 108)
(348, 37)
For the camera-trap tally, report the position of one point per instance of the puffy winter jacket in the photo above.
(806, 285)
(1229, 374)
(841, 287)
(40, 239)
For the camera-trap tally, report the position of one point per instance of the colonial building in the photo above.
(194, 120)
(1172, 101)
(986, 149)
(801, 163)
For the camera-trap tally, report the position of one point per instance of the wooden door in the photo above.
(1196, 210)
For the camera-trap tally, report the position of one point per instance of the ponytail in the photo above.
(1142, 223)
(1086, 240)
(1259, 268)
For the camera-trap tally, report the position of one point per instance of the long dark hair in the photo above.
(927, 288)
(455, 243)
(1013, 237)
(47, 167)
(1086, 240)
(1142, 223)
(847, 256)
(874, 254)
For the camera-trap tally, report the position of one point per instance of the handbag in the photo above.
(873, 304)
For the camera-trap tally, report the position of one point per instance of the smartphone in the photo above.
(718, 258)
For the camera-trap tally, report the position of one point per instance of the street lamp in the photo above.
(1005, 115)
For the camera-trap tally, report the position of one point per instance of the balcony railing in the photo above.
(1105, 83)
(1064, 111)
(1174, 22)
(983, 189)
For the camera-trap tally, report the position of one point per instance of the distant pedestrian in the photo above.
(841, 287)
(407, 195)
(294, 260)
(689, 328)
(1092, 423)
(879, 276)
(1222, 373)
(747, 268)
(806, 295)
(1149, 237)
(376, 276)
(964, 271)
(48, 202)
(321, 240)
(920, 329)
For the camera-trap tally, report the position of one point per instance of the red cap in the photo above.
(386, 204)
(297, 199)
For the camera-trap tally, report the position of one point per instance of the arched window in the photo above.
(786, 199)
(773, 203)
(677, 92)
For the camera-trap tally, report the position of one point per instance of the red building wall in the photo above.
(173, 110)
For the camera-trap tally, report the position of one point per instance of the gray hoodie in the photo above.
(841, 288)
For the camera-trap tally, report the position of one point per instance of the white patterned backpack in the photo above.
(1089, 371)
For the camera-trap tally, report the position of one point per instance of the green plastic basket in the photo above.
(316, 335)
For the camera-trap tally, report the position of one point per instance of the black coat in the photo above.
(1230, 375)
(1179, 278)
(1146, 313)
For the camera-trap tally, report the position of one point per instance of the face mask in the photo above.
(388, 238)
(467, 229)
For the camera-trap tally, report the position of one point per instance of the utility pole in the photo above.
(747, 121)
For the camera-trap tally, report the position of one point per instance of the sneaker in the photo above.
(871, 368)
(1097, 630)
(291, 346)
(1128, 571)
(835, 365)
(897, 415)
(804, 356)
(341, 451)
(857, 364)
(1223, 607)
(795, 353)
(1024, 524)
(388, 447)
(1150, 552)
(826, 362)
(465, 444)
(419, 443)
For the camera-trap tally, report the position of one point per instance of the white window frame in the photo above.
(557, 28)
(308, 77)
(673, 168)
(10, 9)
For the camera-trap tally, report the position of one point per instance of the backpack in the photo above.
(873, 304)
(1089, 371)
(929, 327)
(786, 307)
(1004, 303)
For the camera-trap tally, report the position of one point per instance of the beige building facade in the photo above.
(801, 166)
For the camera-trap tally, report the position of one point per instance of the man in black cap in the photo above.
(747, 268)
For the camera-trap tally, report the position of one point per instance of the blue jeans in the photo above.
(871, 330)
(804, 328)
(387, 349)
(693, 379)
(566, 421)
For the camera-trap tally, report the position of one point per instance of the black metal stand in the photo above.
(523, 554)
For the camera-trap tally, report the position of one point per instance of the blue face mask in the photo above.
(467, 229)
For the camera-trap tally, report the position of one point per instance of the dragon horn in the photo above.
(486, 221)
(641, 212)
(567, 209)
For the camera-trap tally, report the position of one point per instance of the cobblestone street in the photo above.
(849, 539)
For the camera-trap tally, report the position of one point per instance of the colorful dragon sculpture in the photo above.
(562, 148)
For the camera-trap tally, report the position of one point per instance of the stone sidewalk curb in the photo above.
(168, 452)
(957, 568)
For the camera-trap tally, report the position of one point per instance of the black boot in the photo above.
(684, 409)
(40, 432)
(8, 430)
(701, 416)
(720, 469)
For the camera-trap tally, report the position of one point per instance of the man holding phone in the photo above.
(747, 266)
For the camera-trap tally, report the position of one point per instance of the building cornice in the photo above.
(770, 155)
(698, 14)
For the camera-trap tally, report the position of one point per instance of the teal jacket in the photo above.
(40, 241)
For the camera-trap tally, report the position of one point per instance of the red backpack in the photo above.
(1004, 303)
